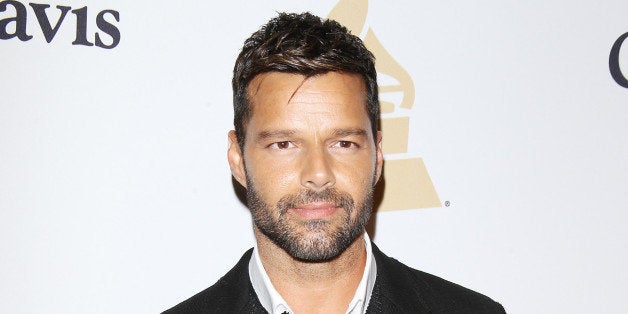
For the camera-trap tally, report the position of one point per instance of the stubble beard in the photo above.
(314, 240)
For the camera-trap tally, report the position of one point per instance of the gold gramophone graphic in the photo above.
(408, 185)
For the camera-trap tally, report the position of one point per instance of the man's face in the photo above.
(309, 163)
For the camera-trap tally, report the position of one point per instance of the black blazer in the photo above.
(398, 289)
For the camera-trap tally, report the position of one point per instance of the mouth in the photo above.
(316, 210)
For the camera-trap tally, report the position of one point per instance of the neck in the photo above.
(308, 287)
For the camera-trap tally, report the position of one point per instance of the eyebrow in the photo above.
(264, 135)
(349, 132)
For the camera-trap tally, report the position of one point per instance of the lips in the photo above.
(316, 210)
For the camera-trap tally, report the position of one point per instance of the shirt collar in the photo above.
(272, 301)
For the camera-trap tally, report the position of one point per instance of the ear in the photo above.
(380, 157)
(236, 159)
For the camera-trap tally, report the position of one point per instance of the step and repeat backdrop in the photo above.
(505, 137)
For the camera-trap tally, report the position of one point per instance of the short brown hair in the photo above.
(303, 44)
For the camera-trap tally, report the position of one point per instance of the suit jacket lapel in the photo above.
(395, 291)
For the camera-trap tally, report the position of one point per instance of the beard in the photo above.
(313, 240)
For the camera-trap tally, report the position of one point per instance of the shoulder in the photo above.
(407, 288)
(230, 294)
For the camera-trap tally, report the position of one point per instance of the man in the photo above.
(306, 147)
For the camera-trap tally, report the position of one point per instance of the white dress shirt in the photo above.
(272, 301)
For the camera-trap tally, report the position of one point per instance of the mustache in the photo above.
(304, 197)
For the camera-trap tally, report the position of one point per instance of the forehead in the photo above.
(276, 94)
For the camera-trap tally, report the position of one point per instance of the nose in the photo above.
(316, 173)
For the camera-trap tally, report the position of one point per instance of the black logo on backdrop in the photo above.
(613, 62)
(49, 31)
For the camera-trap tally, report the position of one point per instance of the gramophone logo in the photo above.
(408, 185)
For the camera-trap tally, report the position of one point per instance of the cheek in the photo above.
(272, 178)
(355, 177)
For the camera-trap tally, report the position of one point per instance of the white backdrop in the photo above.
(115, 194)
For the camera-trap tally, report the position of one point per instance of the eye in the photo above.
(281, 145)
(346, 144)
